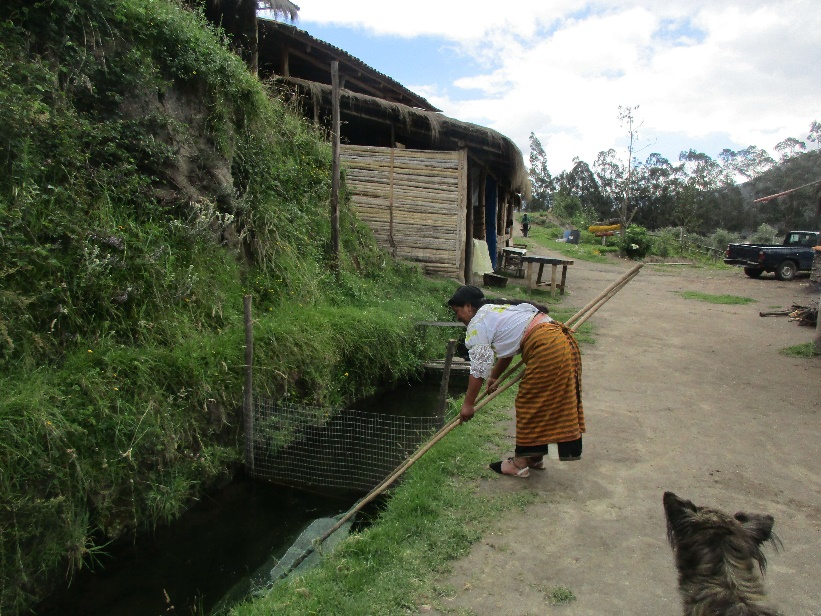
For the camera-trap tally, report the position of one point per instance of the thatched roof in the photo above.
(288, 51)
(422, 129)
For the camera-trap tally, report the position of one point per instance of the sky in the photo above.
(698, 74)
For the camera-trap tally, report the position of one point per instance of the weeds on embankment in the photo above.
(148, 182)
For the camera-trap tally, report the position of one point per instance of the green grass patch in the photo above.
(558, 595)
(545, 237)
(806, 350)
(716, 299)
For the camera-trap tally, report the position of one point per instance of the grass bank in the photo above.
(147, 183)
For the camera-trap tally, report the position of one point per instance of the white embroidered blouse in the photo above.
(496, 330)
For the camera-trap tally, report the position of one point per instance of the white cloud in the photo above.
(744, 70)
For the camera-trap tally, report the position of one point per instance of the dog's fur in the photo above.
(719, 558)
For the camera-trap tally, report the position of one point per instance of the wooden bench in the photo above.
(541, 262)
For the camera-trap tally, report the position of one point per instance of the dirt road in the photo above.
(679, 395)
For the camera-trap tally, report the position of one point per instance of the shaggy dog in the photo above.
(719, 558)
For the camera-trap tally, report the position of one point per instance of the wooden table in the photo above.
(542, 261)
(512, 259)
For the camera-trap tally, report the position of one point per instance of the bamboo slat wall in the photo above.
(414, 200)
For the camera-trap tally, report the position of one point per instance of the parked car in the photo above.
(795, 254)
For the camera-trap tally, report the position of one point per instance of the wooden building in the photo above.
(430, 187)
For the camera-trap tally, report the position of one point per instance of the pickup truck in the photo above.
(794, 255)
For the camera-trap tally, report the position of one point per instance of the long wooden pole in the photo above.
(604, 298)
(386, 483)
(618, 284)
(335, 167)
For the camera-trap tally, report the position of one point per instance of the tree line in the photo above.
(697, 193)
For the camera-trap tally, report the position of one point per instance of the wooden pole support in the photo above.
(335, 164)
(248, 400)
(443, 388)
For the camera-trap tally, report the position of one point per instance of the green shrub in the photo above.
(667, 242)
(765, 234)
(635, 243)
(720, 238)
(586, 237)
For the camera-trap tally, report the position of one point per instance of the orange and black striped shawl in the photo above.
(549, 402)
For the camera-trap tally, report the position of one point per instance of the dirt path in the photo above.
(679, 395)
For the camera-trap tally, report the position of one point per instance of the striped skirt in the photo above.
(549, 401)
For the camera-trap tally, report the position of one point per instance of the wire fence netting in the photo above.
(306, 446)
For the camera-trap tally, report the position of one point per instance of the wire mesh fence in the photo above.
(313, 447)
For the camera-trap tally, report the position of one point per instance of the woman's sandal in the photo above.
(523, 471)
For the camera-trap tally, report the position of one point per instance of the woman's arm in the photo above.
(468, 406)
(498, 369)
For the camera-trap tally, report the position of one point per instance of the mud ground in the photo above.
(679, 395)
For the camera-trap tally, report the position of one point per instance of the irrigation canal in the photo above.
(216, 547)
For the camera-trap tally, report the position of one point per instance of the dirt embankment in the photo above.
(679, 395)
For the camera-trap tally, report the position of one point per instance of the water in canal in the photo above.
(190, 565)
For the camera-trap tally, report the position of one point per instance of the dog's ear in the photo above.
(759, 527)
(679, 514)
(673, 504)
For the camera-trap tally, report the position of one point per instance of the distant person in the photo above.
(525, 224)
(549, 401)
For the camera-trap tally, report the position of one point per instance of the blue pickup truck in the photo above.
(794, 255)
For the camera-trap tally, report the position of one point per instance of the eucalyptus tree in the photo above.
(580, 182)
(540, 179)
(790, 148)
(748, 163)
(702, 177)
(239, 20)
(656, 191)
(815, 134)
(798, 178)
(610, 175)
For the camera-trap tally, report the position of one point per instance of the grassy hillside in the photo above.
(148, 182)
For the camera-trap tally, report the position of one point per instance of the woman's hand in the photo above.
(466, 414)
(492, 385)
